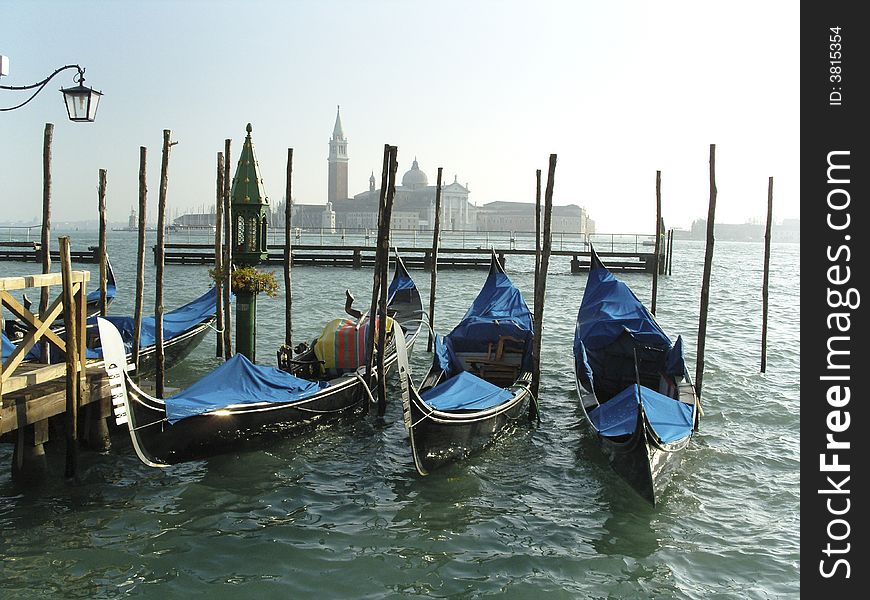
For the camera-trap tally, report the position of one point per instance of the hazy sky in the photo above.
(486, 90)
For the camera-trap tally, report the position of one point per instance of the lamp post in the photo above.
(249, 208)
(81, 101)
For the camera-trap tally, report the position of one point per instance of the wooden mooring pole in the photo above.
(288, 254)
(219, 255)
(140, 257)
(228, 255)
(705, 284)
(764, 305)
(376, 278)
(541, 288)
(72, 361)
(436, 231)
(45, 240)
(160, 375)
(101, 195)
(655, 281)
(384, 251)
(537, 226)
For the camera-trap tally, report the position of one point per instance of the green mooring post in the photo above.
(249, 209)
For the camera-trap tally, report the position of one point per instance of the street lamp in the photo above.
(81, 101)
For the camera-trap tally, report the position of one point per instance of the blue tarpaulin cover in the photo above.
(608, 309)
(175, 322)
(401, 281)
(669, 418)
(111, 290)
(465, 392)
(498, 310)
(239, 381)
(8, 347)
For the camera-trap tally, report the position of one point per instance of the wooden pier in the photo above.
(32, 393)
(31, 252)
(359, 256)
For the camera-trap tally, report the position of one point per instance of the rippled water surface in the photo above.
(340, 513)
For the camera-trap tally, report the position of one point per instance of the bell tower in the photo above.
(337, 188)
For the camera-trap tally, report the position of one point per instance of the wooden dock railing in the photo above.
(28, 403)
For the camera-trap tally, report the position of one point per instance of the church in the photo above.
(414, 204)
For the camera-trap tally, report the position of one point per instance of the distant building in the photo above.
(414, 205)
(194, 221)
(520, 216)
(788, 231)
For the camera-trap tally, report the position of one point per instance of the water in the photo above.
(341, 513)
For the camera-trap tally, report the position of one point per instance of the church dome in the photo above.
(415, 178)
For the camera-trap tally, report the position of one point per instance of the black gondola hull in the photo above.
(221, 431)
(439, 438)
(643, 462)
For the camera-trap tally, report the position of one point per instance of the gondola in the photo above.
(183, 330)
(93, 297)
(478, 384)
(241, 402)
(635, 390)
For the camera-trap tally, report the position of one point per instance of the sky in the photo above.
(487, 90)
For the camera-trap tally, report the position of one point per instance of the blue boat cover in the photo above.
(499, 310)
(175, 323)
(466, 391)
(8, 347)
(111, 290)
(239, 381)
(609, 308)
(670, 419)
(401, 280)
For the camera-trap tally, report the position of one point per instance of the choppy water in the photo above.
(341, 513)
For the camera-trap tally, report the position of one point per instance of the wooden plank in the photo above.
(33, 377)
(42, 280)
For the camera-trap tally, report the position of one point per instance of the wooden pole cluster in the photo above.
(45, 240)
(219, 254)
(101, 198)
(377, 312)
(541, 288)
(140, 256)
(436, 231)
(161, 232)
(705, 284)
(383, 266)
(376, 280)
(228, 255)
(655, 281)
(764, 306)
(288, 254)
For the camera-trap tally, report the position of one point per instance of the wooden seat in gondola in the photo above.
(500, 364)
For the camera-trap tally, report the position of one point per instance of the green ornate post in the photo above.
(249, 206)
